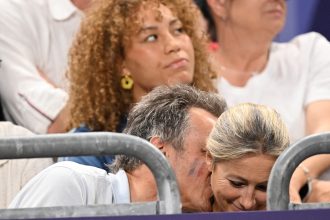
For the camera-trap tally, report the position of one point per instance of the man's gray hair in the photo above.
(163, 113)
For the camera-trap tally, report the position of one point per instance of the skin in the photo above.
(265, 16)
(189, 166)
(320, 191)
(241, 184)
(82, 4)
(160, 53)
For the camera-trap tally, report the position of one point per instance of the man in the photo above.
(177, 120)
(35, 38)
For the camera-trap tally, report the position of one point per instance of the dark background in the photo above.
(305, 16)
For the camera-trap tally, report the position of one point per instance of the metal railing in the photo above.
(285, 165)
(96, 143)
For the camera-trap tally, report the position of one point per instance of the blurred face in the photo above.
(82, 4)
(190, 166)
(255, 15)
(160, 53)
(241, 184)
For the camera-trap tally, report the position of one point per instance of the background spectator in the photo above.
(35, 38)
(14, 174)
(122, 52)
(292, 77)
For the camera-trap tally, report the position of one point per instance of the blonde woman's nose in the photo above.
(247, 199)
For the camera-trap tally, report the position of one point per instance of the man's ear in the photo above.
(218, 8)
(159, 144)
(209, 161)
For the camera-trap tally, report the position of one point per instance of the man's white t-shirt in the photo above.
(72, 184)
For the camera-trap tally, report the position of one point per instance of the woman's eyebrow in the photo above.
(174, 21)
(236, 178)
(154, 27)
(263, 183)
(147, 28)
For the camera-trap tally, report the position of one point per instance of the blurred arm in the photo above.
(28, 99)
(318, 120)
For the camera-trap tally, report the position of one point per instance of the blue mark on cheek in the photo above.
(195, 169)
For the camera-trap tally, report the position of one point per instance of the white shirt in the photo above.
(72, 184)
(297, 74)
(14, 174)
(35, 36)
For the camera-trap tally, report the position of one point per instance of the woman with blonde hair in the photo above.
(124, 49)
(242, 149)
(291, 77)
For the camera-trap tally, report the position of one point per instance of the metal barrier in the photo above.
(310, 214)
(96, 143)
(279, 180)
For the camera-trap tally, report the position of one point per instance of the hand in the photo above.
(294, 194)
(298, 180)
(320, 191)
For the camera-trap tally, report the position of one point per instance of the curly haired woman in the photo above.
(124, 49)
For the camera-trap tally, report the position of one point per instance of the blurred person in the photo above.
(35, 38)
(14, 174)
(242, 149)
(123, 50)
(293, 77)
(175, 119)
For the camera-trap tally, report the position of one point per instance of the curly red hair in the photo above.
(96, 58)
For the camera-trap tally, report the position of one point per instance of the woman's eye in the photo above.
(179, 30)
(151, 38)
(236, 184)
(262, 188)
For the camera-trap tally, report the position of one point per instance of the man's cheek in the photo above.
(198, 169)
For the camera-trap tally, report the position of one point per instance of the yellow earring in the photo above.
(126, 82)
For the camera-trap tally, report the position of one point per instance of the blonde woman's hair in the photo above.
(247, 129)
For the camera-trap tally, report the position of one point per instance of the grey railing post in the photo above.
(279, 180)
(99, 143)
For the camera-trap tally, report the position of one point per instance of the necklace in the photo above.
(236, 77)
(226, 70)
